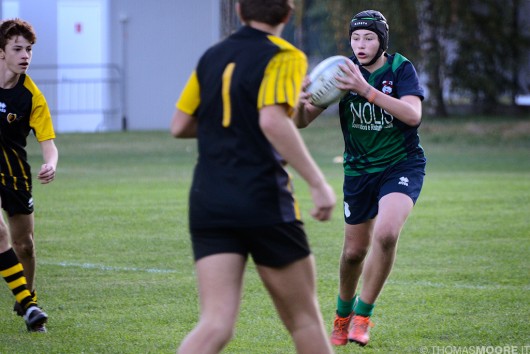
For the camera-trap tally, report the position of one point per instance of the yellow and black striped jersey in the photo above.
(239, 178)
(23, 109)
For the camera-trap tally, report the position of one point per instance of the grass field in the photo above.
(115, 271)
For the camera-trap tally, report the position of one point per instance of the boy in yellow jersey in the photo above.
(23, 109)
(238, 103)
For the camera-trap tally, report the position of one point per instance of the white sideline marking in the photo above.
(426, 284)
(430, 284)
(109, 268)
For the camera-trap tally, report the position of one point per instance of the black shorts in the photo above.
(272, 246)
(16, 201)
(362, 193)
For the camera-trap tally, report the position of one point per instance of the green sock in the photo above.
(363, 309)
(344, 308)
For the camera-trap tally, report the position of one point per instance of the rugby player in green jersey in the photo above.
(384, 167)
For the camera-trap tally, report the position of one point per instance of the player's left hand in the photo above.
(46, 174)
(353, 79)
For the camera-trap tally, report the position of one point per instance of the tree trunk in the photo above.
(434, 57)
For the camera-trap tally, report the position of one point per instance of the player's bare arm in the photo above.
(50, 156)
(305, 112)
(183, 125)
(286, 139)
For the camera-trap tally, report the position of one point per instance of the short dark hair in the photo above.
(271, 12)
(16, 27)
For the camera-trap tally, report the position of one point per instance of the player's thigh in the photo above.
(292, 288)
(220, 279)
(21, 227)
(358, 236)
(394, 209)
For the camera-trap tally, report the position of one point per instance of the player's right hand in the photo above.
(324, 199)
(304, 95)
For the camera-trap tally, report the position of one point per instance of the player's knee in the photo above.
(223, 334)
(387, 240)
(24, 249)
(220, 331)
(354, 255)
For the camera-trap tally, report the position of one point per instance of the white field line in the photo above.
(107, 268)
(425, 284)
(429, 284)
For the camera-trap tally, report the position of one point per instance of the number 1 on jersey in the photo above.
(227, 106)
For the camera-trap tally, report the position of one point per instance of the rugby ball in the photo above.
(322, 87)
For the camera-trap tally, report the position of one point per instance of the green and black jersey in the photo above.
(240, 180)
(373, 138)
(23, 108)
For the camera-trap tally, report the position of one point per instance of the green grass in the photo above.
(116, 275)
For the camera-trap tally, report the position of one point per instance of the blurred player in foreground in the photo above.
(23, 108)
(238, 103)
(384, 167)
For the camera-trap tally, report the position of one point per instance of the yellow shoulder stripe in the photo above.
(282, 80)
(190, 97)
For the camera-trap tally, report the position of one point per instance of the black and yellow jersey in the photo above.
(240, 179)
(23, 109)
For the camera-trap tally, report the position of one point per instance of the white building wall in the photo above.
(163, 41)
(159, 48)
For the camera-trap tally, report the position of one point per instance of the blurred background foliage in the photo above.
(473, 56)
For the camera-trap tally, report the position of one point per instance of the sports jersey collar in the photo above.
(247, 31)
(368, 75)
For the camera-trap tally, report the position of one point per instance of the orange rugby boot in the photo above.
(360, 330)
(339, 335)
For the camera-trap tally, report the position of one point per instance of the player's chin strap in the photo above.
(377, 56)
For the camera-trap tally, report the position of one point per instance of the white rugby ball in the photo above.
(322, 88)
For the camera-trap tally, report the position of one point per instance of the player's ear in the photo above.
(288, 16)
(2, 54)
(291, 5)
